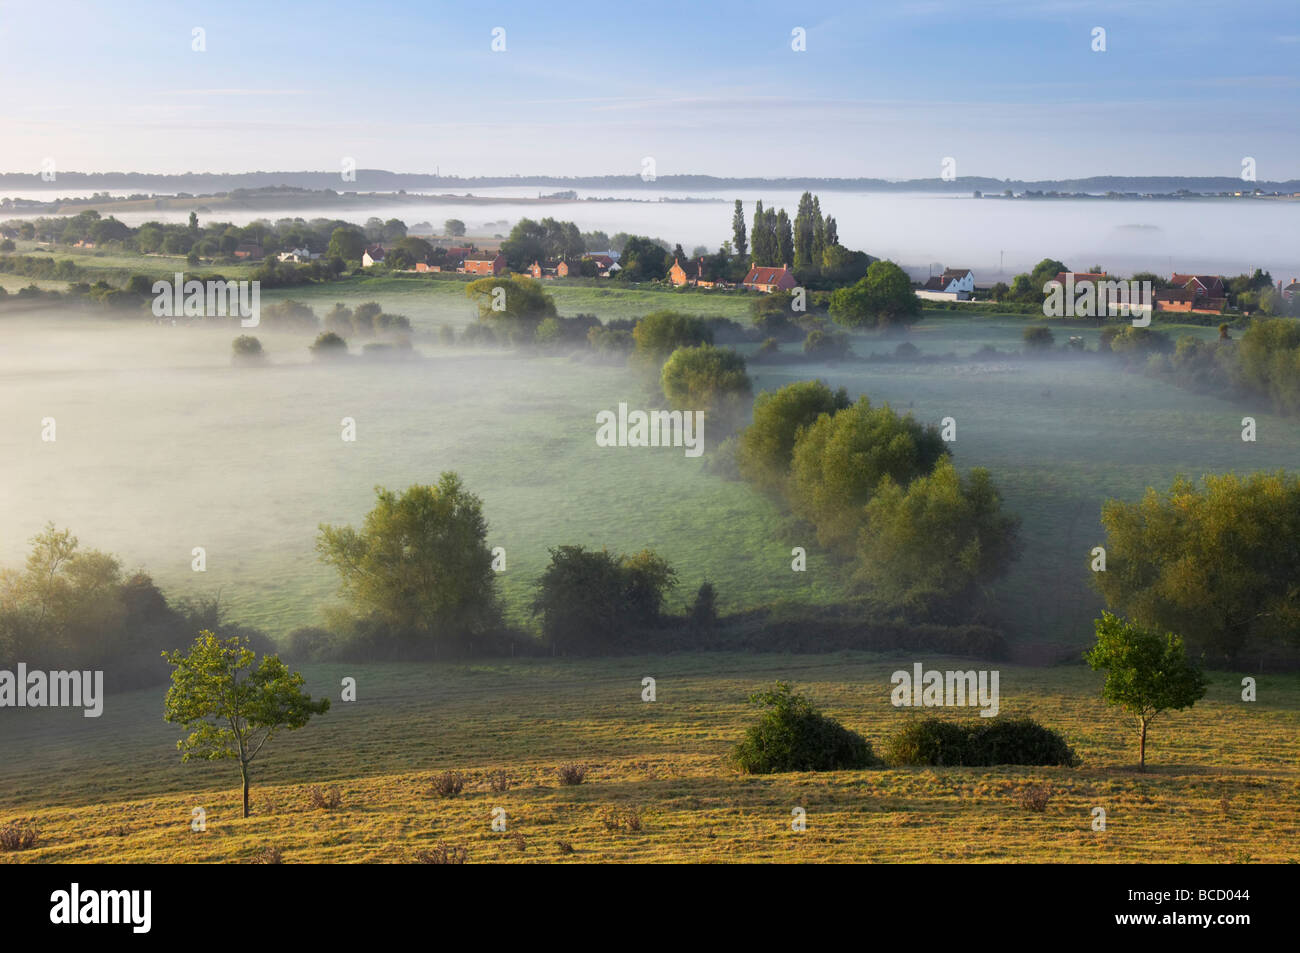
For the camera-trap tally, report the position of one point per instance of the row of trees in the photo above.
(880, 489)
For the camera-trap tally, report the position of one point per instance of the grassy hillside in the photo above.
(1221, 784)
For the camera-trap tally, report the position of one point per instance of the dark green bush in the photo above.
(934, 741)
(793, 736)
(1018, 741)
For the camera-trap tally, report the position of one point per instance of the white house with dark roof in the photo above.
(955, 284)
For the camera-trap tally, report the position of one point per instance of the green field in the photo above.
(1221, 783)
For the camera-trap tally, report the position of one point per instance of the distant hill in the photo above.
(380, 180)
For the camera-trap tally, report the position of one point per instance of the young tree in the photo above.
(231, 707)
(1146, 673)
(453, 227)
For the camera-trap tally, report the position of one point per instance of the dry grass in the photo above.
(75, 778)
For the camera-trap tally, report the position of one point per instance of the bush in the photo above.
(793, 736)
(571, 774)
(246, 349)
(311, 644)
(324, 800)
(442, 854)
(621, 819)
(16, 836)
(268, 855)
(1038, 338)
(448, 784)
(328, 345)
(934, 741)
(499, 781)
(1034, 797)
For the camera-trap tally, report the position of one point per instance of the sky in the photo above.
(1009, 89)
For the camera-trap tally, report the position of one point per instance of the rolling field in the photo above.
(1221, 784)
(247, 462)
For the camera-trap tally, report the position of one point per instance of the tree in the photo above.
(328, 346)
(660, 333)
(230, 707)
(1216, 563)
(346, 243)
(840, 459)
(516, 302)
(739, 243)
(883, 298)
(420, 564)
(999, 291)
(453, 228)
(710, 379)
(930, 549)
(1038, 338)
(767, 445)
(643, 259)
(590, 600)
(1146, 673)
(247, 349)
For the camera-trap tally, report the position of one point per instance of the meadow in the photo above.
(1220, 787)
(163, 446)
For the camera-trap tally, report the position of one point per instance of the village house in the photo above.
(424, 266)
(767, 279)
(483, 263)
(554, 268)
(606, 264)
(1205, 286)
(689, 272)
(373, 255)
(249, 250)
(955, 284)
(297, 255)
(1289, 291)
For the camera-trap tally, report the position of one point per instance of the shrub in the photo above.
(571, 773)
(1018, 741)
(927, 741)
(324, 800)
(498, 781)
(247, 349)
(621, 819)
(17, 836)
(1034, 797)
(1038, 338)
(328, 345)
(907, 351)
(564, 847)
(448, 784)
(442, 854)
(934, 741)
(793, 736)
(268, 855)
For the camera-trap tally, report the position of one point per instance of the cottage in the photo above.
(251, 251)
(955, 284)
(686, 273)
(1289, 291)
(1205, 286)
(297, 255)
(553, 268)
(483, 263)
(373, 255)
(767, 279)
(606, 264)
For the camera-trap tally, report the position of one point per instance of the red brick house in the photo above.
(553, 269)
(250, 250)
(686, 273)
(1187, 301)
(1205, 286)
(482, 263)
(767, 280)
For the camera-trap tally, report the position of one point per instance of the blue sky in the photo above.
(1008, 89)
